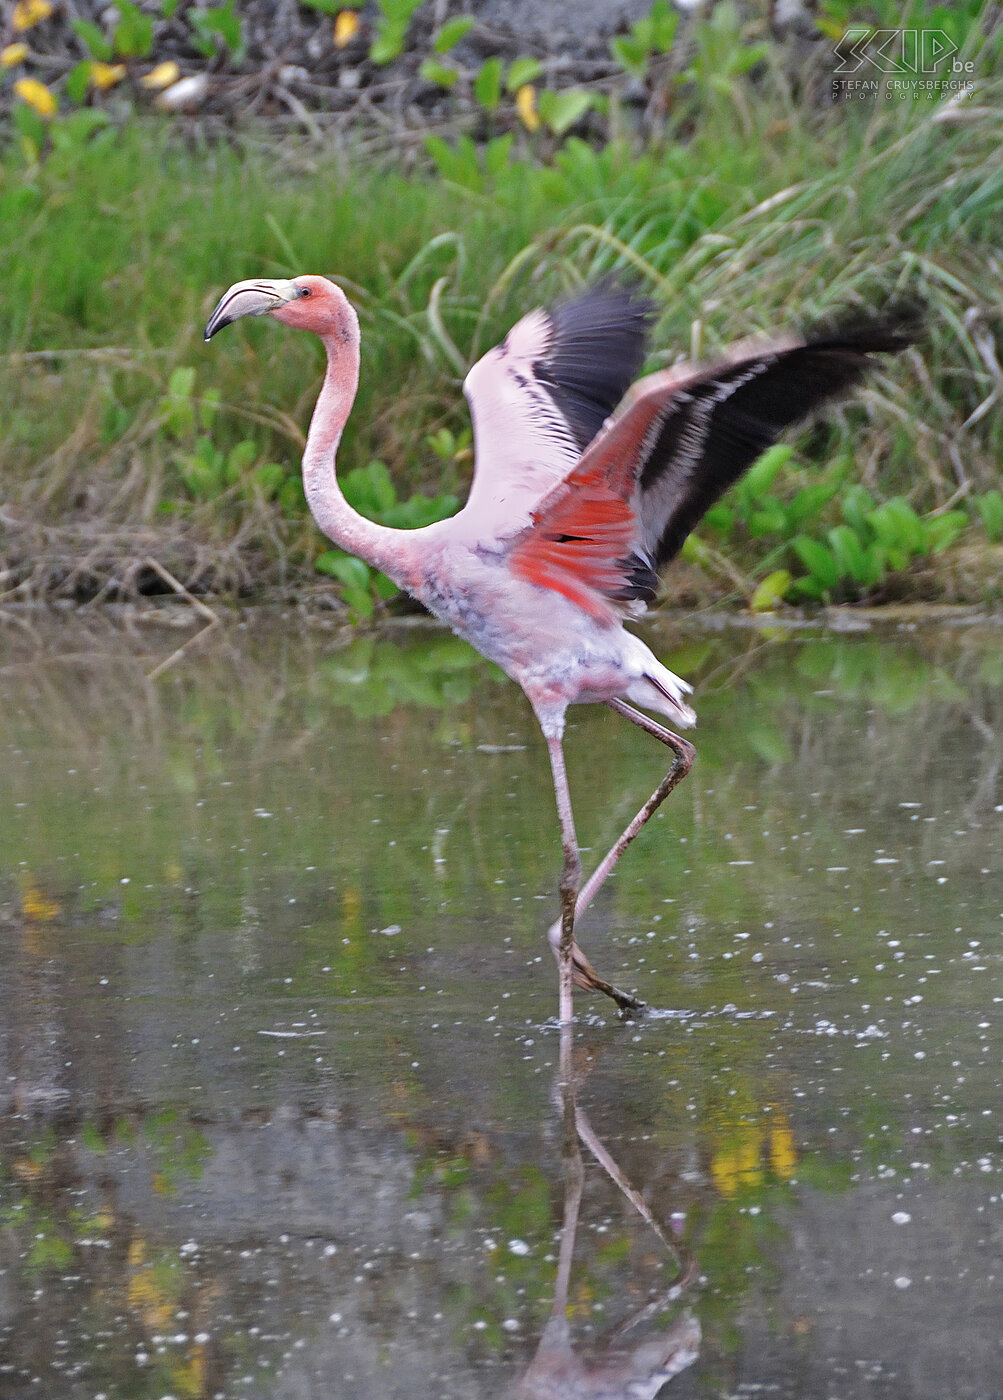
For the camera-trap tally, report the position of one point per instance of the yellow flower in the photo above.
(36, 95)
(12, 54)
(28, 13)
(162, 76)
(525, 105)
(106, 75)
(346, 26)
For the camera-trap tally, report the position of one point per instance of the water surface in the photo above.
(283, 1111)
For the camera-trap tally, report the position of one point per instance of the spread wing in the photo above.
(538, 399)
(681, 439)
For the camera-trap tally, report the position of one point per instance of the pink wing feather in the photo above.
(538, 399)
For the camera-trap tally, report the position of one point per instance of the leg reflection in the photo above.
(627, 1364)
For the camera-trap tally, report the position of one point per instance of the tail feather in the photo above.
(665, 694)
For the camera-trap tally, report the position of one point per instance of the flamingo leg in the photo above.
(571, 879)
(684, 754)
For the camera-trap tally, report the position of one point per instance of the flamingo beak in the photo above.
(254, 298)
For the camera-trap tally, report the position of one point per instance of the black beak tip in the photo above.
(215, 325)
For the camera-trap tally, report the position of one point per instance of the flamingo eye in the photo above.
(304, 291)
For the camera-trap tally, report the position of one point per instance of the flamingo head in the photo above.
(310, 303)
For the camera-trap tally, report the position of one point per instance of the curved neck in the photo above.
(376, 544)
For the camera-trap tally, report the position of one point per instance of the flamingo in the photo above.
(583, 488)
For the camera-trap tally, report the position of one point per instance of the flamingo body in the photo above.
(541, 639)
(585, 484)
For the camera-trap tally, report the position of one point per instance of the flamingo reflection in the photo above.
(633, 1362)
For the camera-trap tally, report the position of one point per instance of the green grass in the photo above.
(756, 211)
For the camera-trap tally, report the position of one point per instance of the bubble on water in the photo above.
(903, 1282)
(901, 1217)
(518, 1247)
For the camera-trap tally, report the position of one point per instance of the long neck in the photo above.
(349, 530)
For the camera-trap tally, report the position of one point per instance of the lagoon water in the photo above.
(283, 1105)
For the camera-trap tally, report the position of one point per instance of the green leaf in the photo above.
(176, 410)
(768, 520)
(452, 32)
(807, 588)
(694, 551)
(78, 81)
(942, 530)
(240, 458)
(864, 564)
(808, 502)
(389, 42)
(630, 53)
(663, 22)
(418, 511)
(817, 560)
(488, 84)
(268, 478)
(856, 505)
(720, 519)
(369, 489)
(747, 58)
(399, 10)
(292, 497)
(134, 31)
(181, 382)
(898, 527)
(771, 591)
(385, 587)
(72, 130)
(93, 37)
(352, 572)
(434, 72)
(359, 601)
(222, 21)
(763, 472)
(522, 71)
(496, 154)
(990, 509)
(209, 406)
(458, 163)
(383, 491)
(560, 110)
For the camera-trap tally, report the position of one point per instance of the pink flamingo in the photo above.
(571, 511)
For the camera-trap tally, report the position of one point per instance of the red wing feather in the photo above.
(582, 537)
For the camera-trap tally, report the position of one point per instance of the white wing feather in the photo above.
(523, 445)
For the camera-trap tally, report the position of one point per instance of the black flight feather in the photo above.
(713, 429)
(597, 346)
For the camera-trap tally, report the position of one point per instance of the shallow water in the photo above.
(282, 1111)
